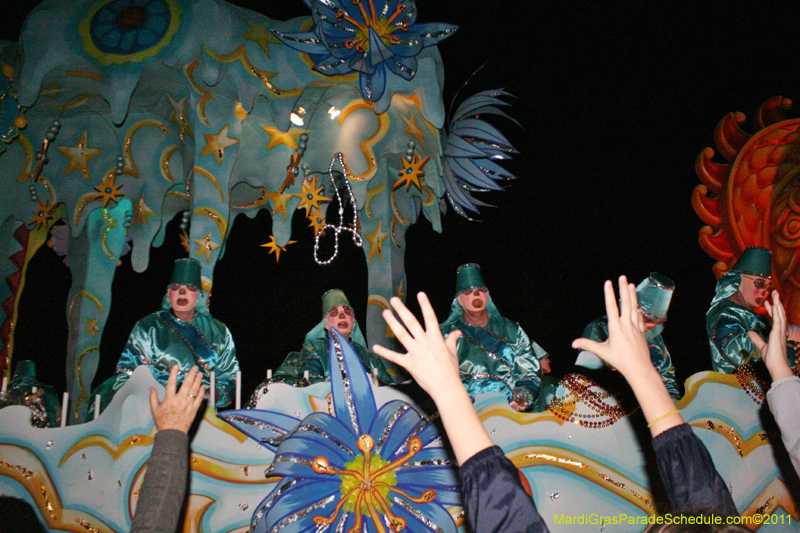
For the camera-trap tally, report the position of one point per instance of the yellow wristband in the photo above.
(662, 417)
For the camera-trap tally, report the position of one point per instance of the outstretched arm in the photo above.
(433, 363)
(164, 486)
(492, 493)
(784, 393)
(686, 468)
(626, 350)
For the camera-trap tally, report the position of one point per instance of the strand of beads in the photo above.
(580, 388)
(749, 382)
(357, 239)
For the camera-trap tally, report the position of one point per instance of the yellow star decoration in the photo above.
(279, 200)
(43, 213)
(91, 326)
(375, 240)
(206, 246)
(108, 190)
(216, 144)
(275, 249)
(79, 156)
(413, 129)
(411, 172)
(179, 116)
(317, 220)
(261, 34)
(141, 212)
(277, 136)
(310, 196)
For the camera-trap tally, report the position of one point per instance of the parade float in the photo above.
(127, 118)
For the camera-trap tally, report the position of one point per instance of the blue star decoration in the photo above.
(376, 38)
(362, 469)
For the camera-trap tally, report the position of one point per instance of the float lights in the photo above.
(333, 112)
(297, 118)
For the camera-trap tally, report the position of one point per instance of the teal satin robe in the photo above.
(727, 324)
(160, 341)
(597, 330)
(496, 357)
(313, 358)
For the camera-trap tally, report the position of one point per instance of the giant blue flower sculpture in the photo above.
(364, 469)
(470, 150)
(370, 37)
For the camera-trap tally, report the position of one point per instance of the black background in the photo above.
(615, 103)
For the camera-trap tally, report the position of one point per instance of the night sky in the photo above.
(614, 102)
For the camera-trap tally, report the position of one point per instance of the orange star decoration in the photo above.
(185, 241)
(411, 173)
(310, 196)
(108, 190)
(317, 220)
(79, 155)
(91, 326)
(216, 144)
(275, 249)
(142, 212)
(206, 246)
(279, 200)
(375, 240)
(43, 213)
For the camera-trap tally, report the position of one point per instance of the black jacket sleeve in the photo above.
(692, 483)
(164, 486)
(494, 498)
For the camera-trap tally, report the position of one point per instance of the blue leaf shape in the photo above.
(353, 401)
(468, 170)
(458, 147)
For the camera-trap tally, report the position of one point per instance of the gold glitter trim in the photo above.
(83, 201)
(394, 238)
(83, 396)
(240, 54)
(402, 219)
(79, 101)
(259, 202)
(130, 166)
(371, 193)
(27, 149)
(181, 195)
(163, 162)
(743, 447)
(210, 177)
(367, 146)
(775, 496)
(83, 74)
(114, 450)
(111, 223)
(589, 469)
(22, 465)
(383, 303)
(205, 96)
(83, 294)
(216, 216)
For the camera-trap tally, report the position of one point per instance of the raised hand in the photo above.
(774, 351)
(178, 409)
(431, 360)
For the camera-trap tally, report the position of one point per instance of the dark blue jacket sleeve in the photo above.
(688, 473)
(494, 498)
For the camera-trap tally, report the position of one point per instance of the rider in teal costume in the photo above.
(654, 295)
(183, 333)
(313, 356)
(740, 291)
(495, 354)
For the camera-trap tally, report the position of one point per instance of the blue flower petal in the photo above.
(458, 147)
(306, 41)
(372, 87)
(295, 510)
(265, 427)
(433, 32)
(394, 425)
(467, 170)
(405, 67)
(353, 401)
